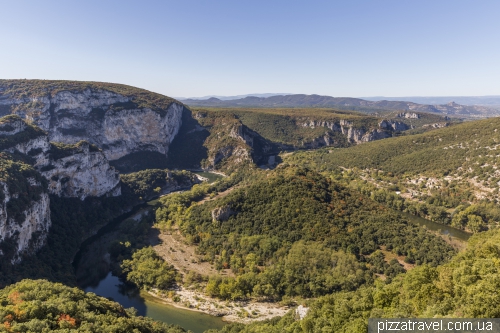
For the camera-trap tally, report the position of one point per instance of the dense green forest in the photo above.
(42, 306)
(273, 232)
(465, 287)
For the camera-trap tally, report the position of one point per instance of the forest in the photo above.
(465, 287)
(274, 231)
(43, 306)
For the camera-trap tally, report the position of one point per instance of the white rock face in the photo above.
(409, 115)
(394, 125)
(301, 312)
(353, 135)
(70, 117)
(13, 127)
(128, 131)
(36, 219)
(36, 148)
(220, 214)
(84, 173)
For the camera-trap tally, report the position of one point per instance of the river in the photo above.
(99, 280)
(146, 305)
(443, 229)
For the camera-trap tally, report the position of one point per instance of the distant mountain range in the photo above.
(301, 100)
(464, 100)
(493, 100)
(229, 98)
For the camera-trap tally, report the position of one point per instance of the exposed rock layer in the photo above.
(107, 119)
(78, 170)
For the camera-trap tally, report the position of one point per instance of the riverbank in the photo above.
(230, 311)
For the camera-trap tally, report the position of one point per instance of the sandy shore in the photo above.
(230, 311)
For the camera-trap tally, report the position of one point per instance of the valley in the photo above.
(240, 211)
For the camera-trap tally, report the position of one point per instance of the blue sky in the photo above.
(195, 48)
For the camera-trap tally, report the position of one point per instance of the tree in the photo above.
(475, 223)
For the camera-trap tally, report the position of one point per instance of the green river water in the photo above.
(146, 305)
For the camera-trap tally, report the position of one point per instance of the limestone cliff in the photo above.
(220, 214)
(78, 170)
(24, 209)
(118, 119)
(353, 134)
(65, 133)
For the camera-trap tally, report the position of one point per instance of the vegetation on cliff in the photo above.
(30, 132)
(60, 150)
(151, 182)
(24, 185)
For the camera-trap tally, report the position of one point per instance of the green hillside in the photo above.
(226, 138)
(439, 152)
(286, 125)
(466, 287)
(449, 175)
(297, 233)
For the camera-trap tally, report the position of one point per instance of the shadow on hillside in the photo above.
(187, 150)
(154, 237)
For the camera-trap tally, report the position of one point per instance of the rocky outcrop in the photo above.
(352, 133)
(69, 131)
(393, 125)
(221, 214)
(259, 146)
(79, 170)
(301, 312)
(408, 115)
(111, 121)
(237, 153)
(24, 138)
(436, 125)
(84, 172)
